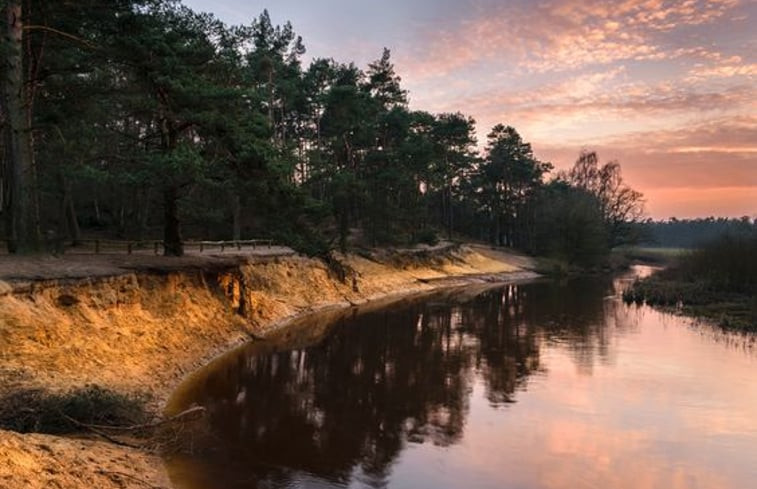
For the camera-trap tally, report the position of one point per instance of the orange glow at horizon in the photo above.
(683, 203)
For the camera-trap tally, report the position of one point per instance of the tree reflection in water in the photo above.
(346, 406)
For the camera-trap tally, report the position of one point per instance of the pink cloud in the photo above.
(560, 35)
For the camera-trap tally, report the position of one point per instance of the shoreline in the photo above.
(150, 329)
(335, 309)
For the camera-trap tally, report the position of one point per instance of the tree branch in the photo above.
(61, 33)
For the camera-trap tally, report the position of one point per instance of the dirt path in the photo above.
(89, 265)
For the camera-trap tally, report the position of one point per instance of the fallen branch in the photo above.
(100, 433)
(193, 411)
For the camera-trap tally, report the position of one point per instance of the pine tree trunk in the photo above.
(20, 221)
(98, 215)
(236, 215)
(448, 193)
(73, 223)
(68, 219)
(144, 214)
(172, 243)
(172, 229)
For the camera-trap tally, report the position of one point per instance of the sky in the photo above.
(667, 88)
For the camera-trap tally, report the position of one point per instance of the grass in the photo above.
(717, 282)
(39, 411)
(698, 298)
(556, 267)
(652, 255)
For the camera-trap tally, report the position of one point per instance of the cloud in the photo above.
(589, 95)
(562, 35)
(724, 70)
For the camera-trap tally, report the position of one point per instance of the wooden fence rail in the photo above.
(157, 246)
(230, 244)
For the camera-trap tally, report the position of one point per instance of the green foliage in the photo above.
(37, 411)
(149, 115)
(427, 237)
(509, 177)
(569, 226)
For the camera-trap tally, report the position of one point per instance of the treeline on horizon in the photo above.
(693, 233)
(143, 118)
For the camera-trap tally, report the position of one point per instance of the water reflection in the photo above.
(356, 406)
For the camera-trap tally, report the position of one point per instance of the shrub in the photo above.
(427, 237)
(39, 411)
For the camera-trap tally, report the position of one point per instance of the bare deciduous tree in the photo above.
(621, 206)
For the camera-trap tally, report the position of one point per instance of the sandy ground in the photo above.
(140, 324)
(44, 462)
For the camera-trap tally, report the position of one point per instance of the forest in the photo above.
(693, 233)
(143, 119)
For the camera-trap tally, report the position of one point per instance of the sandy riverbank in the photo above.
(141, 327)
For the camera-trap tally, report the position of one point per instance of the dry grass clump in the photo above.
(40, 411)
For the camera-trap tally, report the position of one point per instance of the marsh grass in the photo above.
(717, 281)
(652, 255)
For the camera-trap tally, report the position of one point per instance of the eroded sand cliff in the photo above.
(142, 331)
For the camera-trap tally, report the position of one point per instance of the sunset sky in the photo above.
(668, 88)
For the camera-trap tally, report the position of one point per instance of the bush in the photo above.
(427, 237)
(306, 242)
(569, 227)
(39, 411)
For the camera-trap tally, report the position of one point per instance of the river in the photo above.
(533, 385)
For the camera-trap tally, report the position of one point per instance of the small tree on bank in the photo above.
(620, 205)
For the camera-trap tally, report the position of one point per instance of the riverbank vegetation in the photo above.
(717, 281)
(143, 119)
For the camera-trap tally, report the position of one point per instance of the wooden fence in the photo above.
(103, 246)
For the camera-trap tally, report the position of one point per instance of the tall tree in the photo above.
(620, 205)
(384, 84)
(275, 69)
(454, 139)
(171, 58)
(22, 226)
(509, 176)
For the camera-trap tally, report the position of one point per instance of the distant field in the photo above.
(652, 254)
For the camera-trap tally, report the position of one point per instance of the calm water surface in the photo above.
(540, 385)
